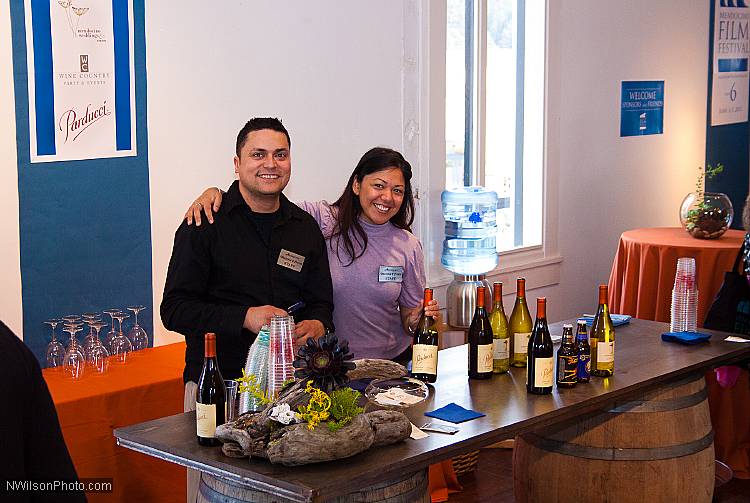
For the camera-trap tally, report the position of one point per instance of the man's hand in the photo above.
(209, 201)
(306, 329)
(256, 317)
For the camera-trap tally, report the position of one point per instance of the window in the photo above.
(494, 109)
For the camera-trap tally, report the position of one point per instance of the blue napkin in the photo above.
(454, 413)
(617, 319)
(685, 337)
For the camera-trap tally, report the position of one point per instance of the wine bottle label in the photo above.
(500, 349)
(544, 372)
(584, 365)
(205, 417)
(605, 353)
(567, 369)
(424, 359)
(484, 357)
(521, 343)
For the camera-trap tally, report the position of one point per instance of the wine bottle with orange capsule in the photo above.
(480, 341)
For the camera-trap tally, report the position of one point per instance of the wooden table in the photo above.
(643, 364)
(147, 387)
(644, 268)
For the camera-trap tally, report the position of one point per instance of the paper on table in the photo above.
(417, 434)
(396, 396)
(736, 339)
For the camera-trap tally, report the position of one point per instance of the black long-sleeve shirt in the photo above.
(31, 442)
(218, 271)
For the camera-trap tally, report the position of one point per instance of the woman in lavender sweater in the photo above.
(377, 264)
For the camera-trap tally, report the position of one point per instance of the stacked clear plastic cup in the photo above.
(684, 312)
(257, 365)
(280, 353)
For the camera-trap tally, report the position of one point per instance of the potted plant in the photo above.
(706, 215)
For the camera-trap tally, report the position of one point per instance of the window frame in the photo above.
(423, 78)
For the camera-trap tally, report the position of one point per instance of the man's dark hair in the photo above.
(258, 123)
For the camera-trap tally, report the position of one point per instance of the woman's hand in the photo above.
(209, 201)
(410, 316)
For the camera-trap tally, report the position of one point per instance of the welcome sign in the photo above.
(81, 79)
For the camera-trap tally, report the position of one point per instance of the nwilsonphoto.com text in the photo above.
(57, 486)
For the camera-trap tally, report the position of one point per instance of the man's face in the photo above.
(265, 164)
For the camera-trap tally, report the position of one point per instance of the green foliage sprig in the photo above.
(693, 215)
(249, 384)
(343, 408)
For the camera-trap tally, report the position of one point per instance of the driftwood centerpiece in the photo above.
(333, 426)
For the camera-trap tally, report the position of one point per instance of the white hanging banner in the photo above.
(731, 45)
(81, 79)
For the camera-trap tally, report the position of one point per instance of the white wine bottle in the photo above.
(602, 337)
(500, 333)
(520, 325)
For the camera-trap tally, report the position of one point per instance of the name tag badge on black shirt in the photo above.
(390, 274)
(290, 260)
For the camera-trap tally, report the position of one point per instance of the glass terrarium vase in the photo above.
(707, 215)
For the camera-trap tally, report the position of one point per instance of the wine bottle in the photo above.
(520, 326)
(602, 339)
(540, 371)
(480, 341)
(211, 397)
(500, 335)
(584, 352)
(425, 346)
(567, 359)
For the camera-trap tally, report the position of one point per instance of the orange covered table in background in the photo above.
(148, 387)
(646, 262)
(641, 284)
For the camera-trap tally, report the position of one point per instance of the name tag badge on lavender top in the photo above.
(390, 274)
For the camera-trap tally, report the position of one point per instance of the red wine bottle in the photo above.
(540, 365)
(211, 398)
(425, 345)
(480, 341)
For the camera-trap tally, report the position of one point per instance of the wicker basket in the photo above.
(465, 463)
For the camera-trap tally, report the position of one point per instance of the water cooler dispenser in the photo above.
(469, 248)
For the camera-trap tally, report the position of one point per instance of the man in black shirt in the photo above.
(262, 255)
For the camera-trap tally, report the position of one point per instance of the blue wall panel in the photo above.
(85, 226)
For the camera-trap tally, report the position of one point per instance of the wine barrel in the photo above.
(659, 448)
(410, 488)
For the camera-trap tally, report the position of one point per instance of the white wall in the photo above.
(10, 276)
(333, 71)
(609, 184)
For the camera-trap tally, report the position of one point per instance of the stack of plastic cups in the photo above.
(280, 353)
(684, 297)
(257, 365)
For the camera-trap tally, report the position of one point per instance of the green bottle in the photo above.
(500, 332)
(521, 325)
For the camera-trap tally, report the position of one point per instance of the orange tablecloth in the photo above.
(645, 264)
(641, 285)
(148, 387)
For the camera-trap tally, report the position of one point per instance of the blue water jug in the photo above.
(470, 230)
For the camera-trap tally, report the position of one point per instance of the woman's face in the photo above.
(380, 194)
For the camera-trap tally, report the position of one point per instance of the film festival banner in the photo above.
(81, 79)
(731, 48)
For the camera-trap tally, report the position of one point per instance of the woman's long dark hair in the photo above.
(352, 236)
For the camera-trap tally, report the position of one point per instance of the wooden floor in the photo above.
(492, 482)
